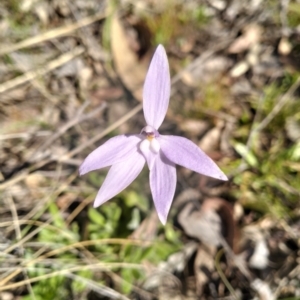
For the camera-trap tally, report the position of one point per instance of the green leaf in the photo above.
(128, 277)
(246, 153)
(56, 216)
(132, 199)
(295, 152)
(135, 219)
(96, 217)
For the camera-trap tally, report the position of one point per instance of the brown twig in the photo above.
(30, 75)
(52, 34)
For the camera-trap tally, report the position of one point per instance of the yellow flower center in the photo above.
(150, 136)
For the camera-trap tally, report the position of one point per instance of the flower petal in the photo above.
(149, 154)
(184, 152)
(119, 176)
(156, 92)
(163, 184)
(111, 152)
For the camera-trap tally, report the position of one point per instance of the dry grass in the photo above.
(64, 91)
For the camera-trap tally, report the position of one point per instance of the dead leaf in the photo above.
(148, 228)
(7, 296)
(225, 212)
(253, 56)
(158, 277)
(130, 65)
(239, 69)
(195, 224)
(9, 97)
(65, 200)
(240, 88)
(253, 235)
(188, 195)
(192, 126)
(178, 261)
(35, 180)
(43, 10)
(214, 226)
(211, 223)
(218, 4)
(62, 7)
(85, 76)
(105, 94)
(26, 61)
(251, 36)
(259, 259)
(238, 211)
(292, 127)
(208, 71)
(72, 68)
(263, 289)
(284, 47)
(210, 142)
(204, 266)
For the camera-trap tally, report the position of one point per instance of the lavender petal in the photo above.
(163, 184)
(119, 176)
(113, 151)
(156, 91)
(184, 152)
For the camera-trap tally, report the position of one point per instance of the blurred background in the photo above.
(71, 76)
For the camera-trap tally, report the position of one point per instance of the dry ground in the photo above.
(71, 76)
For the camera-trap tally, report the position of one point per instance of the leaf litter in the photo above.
(65, 90)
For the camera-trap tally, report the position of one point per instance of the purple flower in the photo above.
(127, 154)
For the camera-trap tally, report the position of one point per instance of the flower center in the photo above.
(150, 142)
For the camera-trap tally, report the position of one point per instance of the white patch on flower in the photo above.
(150, 142)
(145, 146)
(154, 145)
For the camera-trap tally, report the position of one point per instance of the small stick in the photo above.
(64, 58)
(54, 33)
(78, 119)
